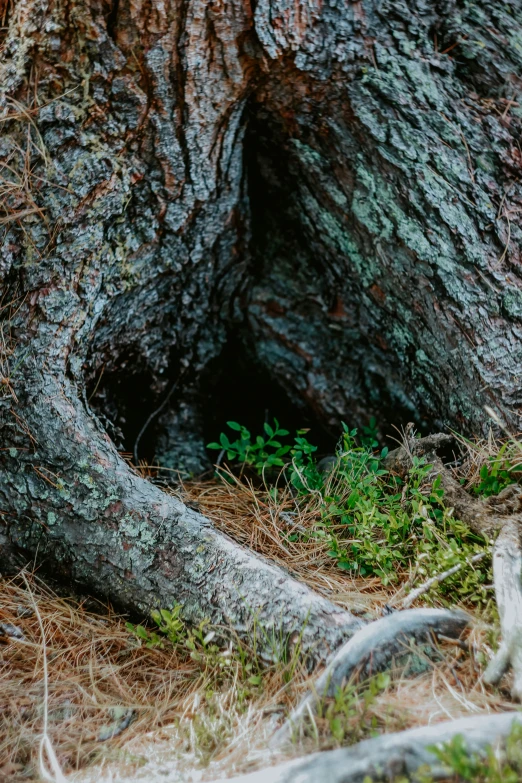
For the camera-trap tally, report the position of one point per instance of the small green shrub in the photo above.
(500, 466)
(304, 475)
(461, 765)
(170, 626)
(265, 451)
(376, 522)
(373, 522)
(199, 642)
(497, 474)
(347, 712)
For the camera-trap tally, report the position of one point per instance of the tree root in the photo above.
(389, 756)
(84, 514)
(500, 514)
(507, 567)
(371, 650)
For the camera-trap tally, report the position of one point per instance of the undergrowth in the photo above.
(344, 523)
(373, 522)
(206, 646)
(460, 764)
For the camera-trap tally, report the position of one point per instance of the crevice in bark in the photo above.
(112, 19)
(312, 326)
(122, 401)
(301, 340)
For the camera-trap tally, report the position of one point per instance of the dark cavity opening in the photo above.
(234, 387)
(112, 18)
(123, 401)
(237, 387)
(308, 350)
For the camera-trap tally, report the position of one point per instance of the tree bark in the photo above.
(337, 185)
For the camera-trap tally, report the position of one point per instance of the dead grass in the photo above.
(93, 665)
(99, 675)
(250, 516)
(186, 714)
(483, 451)
(192, 714)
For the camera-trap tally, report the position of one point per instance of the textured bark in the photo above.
(366, 255)
(391, 268)
(101, 524)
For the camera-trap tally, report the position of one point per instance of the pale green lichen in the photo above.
(137, 528)
(512, 303)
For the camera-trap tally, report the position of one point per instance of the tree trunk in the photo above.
(332, 189)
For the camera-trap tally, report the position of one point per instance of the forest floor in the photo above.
(110, 701)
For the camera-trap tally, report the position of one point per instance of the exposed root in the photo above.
(507, 568)
(500, 514)
(261, 523)
(97, 672)
(391, 755)
(371, 650)
(123, 537)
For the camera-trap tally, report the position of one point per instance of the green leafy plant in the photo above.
(267, 451)
(373, 522)
(170, 626)
(459, 765)
(264, 451)
(200, 643)
(369, 437)
(304, 475)
(497, 473)
(492, 767)
(150, 638)
(347, 713)
(376, 522)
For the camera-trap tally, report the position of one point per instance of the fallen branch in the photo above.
(371, 650)
(389, 756)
